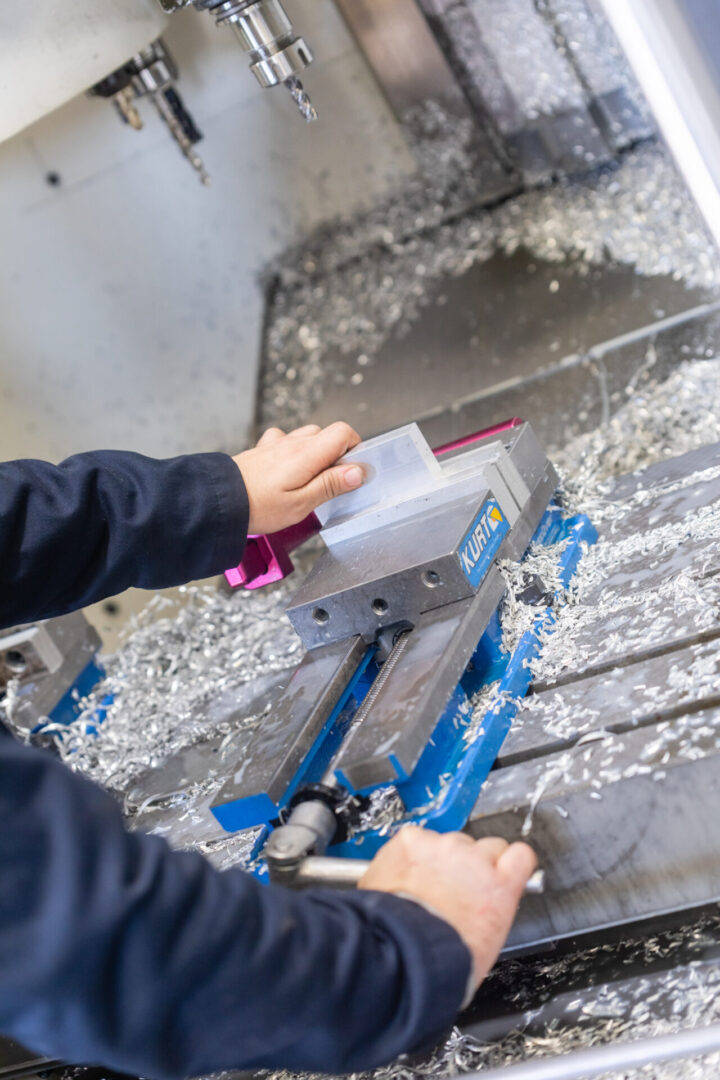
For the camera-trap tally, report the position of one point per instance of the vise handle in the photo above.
(339, 873)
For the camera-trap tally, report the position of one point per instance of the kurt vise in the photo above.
(400, 619)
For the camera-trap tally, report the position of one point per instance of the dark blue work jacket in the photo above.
(117, 951)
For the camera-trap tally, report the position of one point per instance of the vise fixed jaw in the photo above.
(392, 615)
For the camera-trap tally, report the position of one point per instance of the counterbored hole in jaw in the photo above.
(379, 606)
(320, 616)
(431, 578)
(15, 661)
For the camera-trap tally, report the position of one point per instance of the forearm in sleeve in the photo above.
(98, 523)
(118, 951)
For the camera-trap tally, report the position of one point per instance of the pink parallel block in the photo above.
(266, 559)
(477, 436)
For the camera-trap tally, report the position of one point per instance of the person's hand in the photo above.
(288, 476)
(475, 885)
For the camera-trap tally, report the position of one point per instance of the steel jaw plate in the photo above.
(417, 730)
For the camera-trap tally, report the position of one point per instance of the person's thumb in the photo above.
(332, 482)
(516, 864)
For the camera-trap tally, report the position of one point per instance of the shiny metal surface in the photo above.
(387, 745)
(277, 55)
(623, 842)
(674, 48)
(400, 645)
(375, 565)
(587, 41)
(617, 1056)
(402, 52)
(310, 828)
(532, 97)
(393, 554)
(404, 479)
(658, 852)
(27, 652)
(277, 749)
(282, 65)
(45, 658)
(363, 585)
(317, 870)
(580, 391)
(265, 32)
(396, 466)
(565, 105)
(259, 25)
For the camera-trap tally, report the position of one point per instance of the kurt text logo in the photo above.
(478, 540)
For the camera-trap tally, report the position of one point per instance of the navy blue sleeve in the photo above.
(116, 950)
(98, 523)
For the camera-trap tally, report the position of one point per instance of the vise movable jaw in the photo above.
(391, 615)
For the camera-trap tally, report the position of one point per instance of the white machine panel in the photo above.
(52, 50)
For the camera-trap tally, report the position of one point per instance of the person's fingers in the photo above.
(395, 860)
(461, 839)
(271, 436)
(307, 429)
(332, 482)
(411, 831)
(492, 848)
(414, 840)
(326, 448)
(516, 865)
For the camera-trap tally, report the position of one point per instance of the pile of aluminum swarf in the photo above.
(169, 673)
(637, 213)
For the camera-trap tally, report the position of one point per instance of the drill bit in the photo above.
(301, 98)
(123, 102)
(177, 129)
